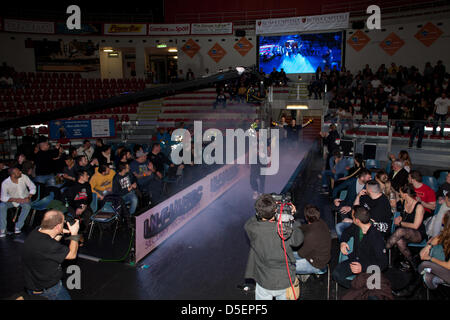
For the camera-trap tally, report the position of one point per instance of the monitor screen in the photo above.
(300, 53)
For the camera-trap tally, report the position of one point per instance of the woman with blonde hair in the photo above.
(403, 155)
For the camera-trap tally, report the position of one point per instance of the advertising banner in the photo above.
(12, 25)
(300, 24)
(129, 29)
(168, 29)
(160, 222)
(81, 129)
(66, 56)
(212, 28)
(86, 29)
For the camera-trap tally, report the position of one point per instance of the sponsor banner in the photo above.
(212, 28)
(391, 44)
(81, 129)
(358, 40)
(12, 25)
(66, 56)
(217, 52)
(243, 46)
(190, 48)
(428, 34)
(86, 29)
(128, 29)
(300, 24)
(160, 222)
(168, 29)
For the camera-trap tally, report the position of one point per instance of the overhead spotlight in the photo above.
(240, 70)
(297, 107)
(108, 50)
(173, 50)
(175, 57)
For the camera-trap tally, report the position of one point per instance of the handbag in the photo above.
(290, 293)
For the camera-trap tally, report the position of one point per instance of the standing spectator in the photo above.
(315, 252)
(86, 149)
(190, 75)
(81, 163)
(368, 248)
(424, 193)
(159, 159)
(44, 162)
(220, 99)
(69, 173)
(124, 185)
(332, 140)
(99, 144)
(17, 191)
(106, 157)
(440, 112)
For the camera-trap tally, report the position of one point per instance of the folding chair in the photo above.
(40, 205)
(105, 215)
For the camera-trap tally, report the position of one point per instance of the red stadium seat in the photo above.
(43, 130)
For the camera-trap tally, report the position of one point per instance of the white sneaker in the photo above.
(255, 195)
(17, 231)
(2, 233)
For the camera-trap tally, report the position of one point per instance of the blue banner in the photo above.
(81, 129)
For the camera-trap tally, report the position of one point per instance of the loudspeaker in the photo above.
(239, 33)
(369, 151)
(358, 24)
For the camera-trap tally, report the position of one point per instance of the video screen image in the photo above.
(300, 53)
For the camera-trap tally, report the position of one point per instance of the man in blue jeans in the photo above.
(124, 185)
(42, 256)
(17, 191)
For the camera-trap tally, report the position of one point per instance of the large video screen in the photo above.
(300, 53)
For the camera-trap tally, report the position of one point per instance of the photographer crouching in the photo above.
(42, 256)
(271, 262)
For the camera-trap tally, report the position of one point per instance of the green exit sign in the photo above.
(163, 45)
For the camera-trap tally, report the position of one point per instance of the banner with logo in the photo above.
(66, 56)
(28, 26)
(212, 28)
(86, 29)
(129, 29)
(300, 24)
(81, 129)
(168, 29)
(160, 222)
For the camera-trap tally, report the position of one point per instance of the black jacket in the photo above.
(370, 251)
(79, 194)
(330, 141)
(400, 179)
(266, 262)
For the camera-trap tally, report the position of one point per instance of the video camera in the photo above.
(284, 212)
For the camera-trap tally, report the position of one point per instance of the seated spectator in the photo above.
(383, 180)
(44, 162)
(73, 152)
(125, 156)
(368, 248)
(163, 137)
(398, 175)
(338, 169)
(353, 187)
(69, 173)
(434, 224)
(106, 157)
(159, 159)
(28, 169)
(146, 176)
(86, 150)
(101, 181)
(359, 164)
(137, 148)
(124, 185)
(17, 191)
(20, 159)
(274, 77)
(445, 186)
(410, 227)
(78, 197)
(439, 268)
(424, 193)
(99, 144)
(81, 163)
(373, 199)
(315, 252)
(220, 99)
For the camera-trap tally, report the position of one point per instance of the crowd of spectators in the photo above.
(406, 94)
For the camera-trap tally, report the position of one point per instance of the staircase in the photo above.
(298, 90)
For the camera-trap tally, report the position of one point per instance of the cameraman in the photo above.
(266, 262)
(42, 256)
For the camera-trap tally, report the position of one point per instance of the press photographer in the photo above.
(271, 262)
(42, 256)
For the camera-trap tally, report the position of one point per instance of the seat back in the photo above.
(343, 257)
(372, 163)
(442, 177)
(43, 203)
(431, 182)
(94, 203)
(388, 167)
(343, 195)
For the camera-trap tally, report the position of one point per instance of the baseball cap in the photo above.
(141, 153)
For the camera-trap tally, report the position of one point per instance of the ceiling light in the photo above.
(297, 107)
(108, 50)
(173, 50)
